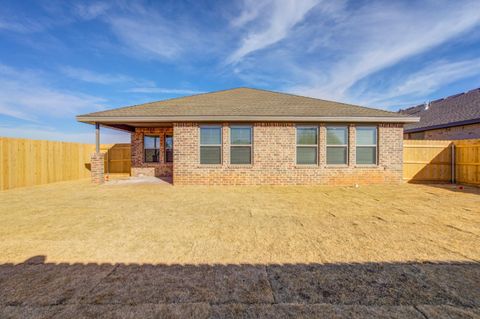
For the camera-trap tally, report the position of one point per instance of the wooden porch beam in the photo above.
(121, 127)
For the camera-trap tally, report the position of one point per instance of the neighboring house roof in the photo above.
(455, 110)
(244, 104)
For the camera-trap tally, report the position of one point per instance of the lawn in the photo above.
(79, 222)
(76, 250)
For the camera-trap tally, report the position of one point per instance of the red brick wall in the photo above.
(274, 154)
(139, 167)
(461, 132)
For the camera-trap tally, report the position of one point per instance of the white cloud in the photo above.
(163, 90)
(107, 136)
(26, 95)
(91, 11)
(277, 18)
(149, 33)
(21, 25)
(94, 77)
(414, 87)
(380, 35)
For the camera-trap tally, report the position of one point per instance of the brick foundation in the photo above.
(97, 168)
(274, 153)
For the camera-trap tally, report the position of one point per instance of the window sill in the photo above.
(157, 163)
(306, 166)
(240, 166)
(337, 166)
(210, 166)
(366, 166)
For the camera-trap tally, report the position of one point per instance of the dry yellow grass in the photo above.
(79, 222)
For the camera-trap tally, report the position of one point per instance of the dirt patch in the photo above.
(79, 222)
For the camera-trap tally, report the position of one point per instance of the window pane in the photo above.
(240, 155)
(306, 136)
(168, 142)
(336, 135)
(151, 155)
(366, 135)
(366, 155)
(306, 155)
(241, 135)
(169, 155)
(210, 154)
(151, 142)
(210, 135)
(336, 155)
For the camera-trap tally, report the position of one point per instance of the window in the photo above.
(168, 148)
(241, 145)
(151, 146)
(366, 138)
(210, 145)
(337, 145)
(307, 145)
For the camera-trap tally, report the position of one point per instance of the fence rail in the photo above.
(442, 161)
(25, 162)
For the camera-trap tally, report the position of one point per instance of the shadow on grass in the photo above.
(411, 290)
(457, 188)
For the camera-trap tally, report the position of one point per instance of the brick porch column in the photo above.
(97, 168)
(97, 160)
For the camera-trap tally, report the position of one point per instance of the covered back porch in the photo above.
(151, 149)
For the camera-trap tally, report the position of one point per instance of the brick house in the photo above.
(248, 136)
(456, 117)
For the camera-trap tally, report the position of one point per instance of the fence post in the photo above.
(453, 163)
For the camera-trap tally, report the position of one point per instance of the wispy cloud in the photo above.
(411, 89)
(163, 90)
(149, 33)
(94, 77)
(91, 10)
(151, 36)
(371, 38)
(21, 24)
(272, 21)
(26, 95)
(44, 132)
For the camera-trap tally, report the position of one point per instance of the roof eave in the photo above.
(150, 119)
(440, 126)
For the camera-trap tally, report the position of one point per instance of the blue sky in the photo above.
(63, 58)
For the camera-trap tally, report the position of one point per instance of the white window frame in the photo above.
(306, 145)
(242, 145)
(347, 146)
(365, 145)
(200, 143)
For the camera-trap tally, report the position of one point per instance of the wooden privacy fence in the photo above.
(442, 161)
(118, 159)
(25, 162)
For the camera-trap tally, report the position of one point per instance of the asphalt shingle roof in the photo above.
(450, 111)
(244, 102)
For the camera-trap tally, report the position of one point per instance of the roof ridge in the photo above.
(455, 95)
